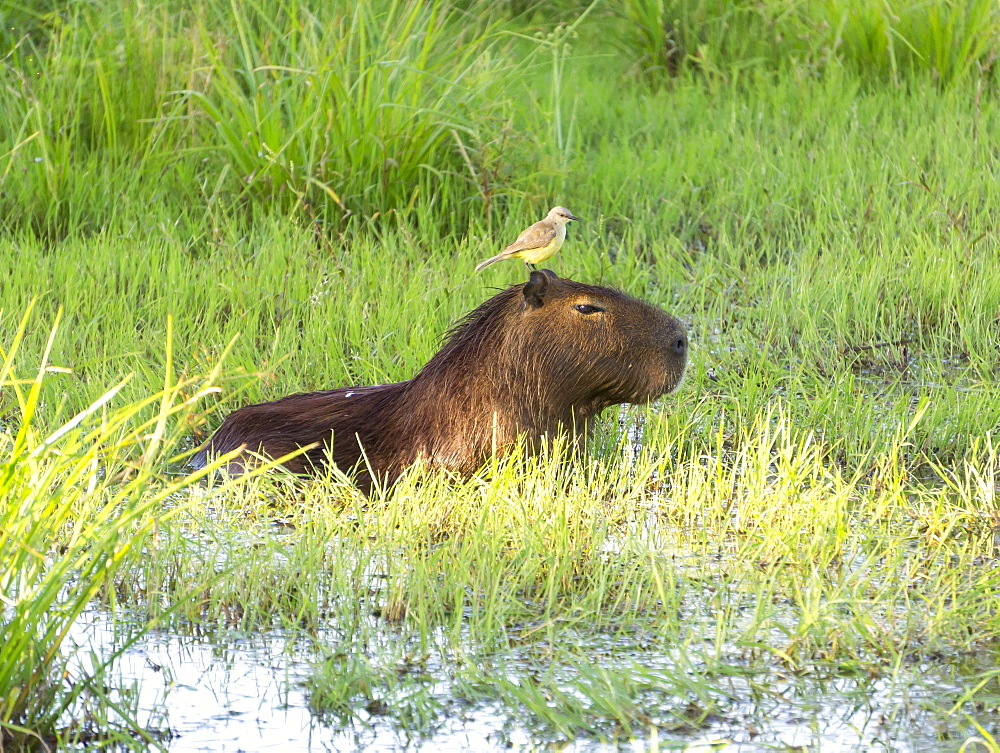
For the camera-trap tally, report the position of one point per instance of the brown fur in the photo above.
(526, 363)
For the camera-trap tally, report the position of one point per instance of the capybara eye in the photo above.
(586, 308)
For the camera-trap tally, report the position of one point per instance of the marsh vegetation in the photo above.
(208, 204)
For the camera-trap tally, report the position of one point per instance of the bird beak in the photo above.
(572, 217)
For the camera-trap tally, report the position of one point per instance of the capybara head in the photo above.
(535, 359)
(563, 348)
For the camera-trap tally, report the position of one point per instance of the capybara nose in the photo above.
(680, 346)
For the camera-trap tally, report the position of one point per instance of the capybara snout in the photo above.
(535, 359)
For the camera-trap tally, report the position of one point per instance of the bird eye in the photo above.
(586, 308)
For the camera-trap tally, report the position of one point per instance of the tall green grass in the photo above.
(79, 497)
(325, 110)
(665, 37)
(352, 109)
(950, 40)
(343, 114)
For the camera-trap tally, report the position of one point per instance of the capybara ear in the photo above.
(534, 289)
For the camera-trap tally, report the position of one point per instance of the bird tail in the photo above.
(486, 263)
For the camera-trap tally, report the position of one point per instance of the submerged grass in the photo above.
(812, 518)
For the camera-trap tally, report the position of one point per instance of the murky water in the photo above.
(250, 695)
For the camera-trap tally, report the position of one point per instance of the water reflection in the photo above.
(239, 694)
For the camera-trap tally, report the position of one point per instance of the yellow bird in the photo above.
(538, 242)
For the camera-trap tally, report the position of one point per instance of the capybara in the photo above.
(539, 357)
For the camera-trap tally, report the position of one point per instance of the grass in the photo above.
(76, 502)
(809, 523)
(886, 40)
(593, 602)
(321, 111)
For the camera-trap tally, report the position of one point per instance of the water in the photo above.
(249, 694)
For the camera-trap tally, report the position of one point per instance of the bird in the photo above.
(538, 242)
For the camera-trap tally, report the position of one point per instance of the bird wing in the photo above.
(538, 235)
